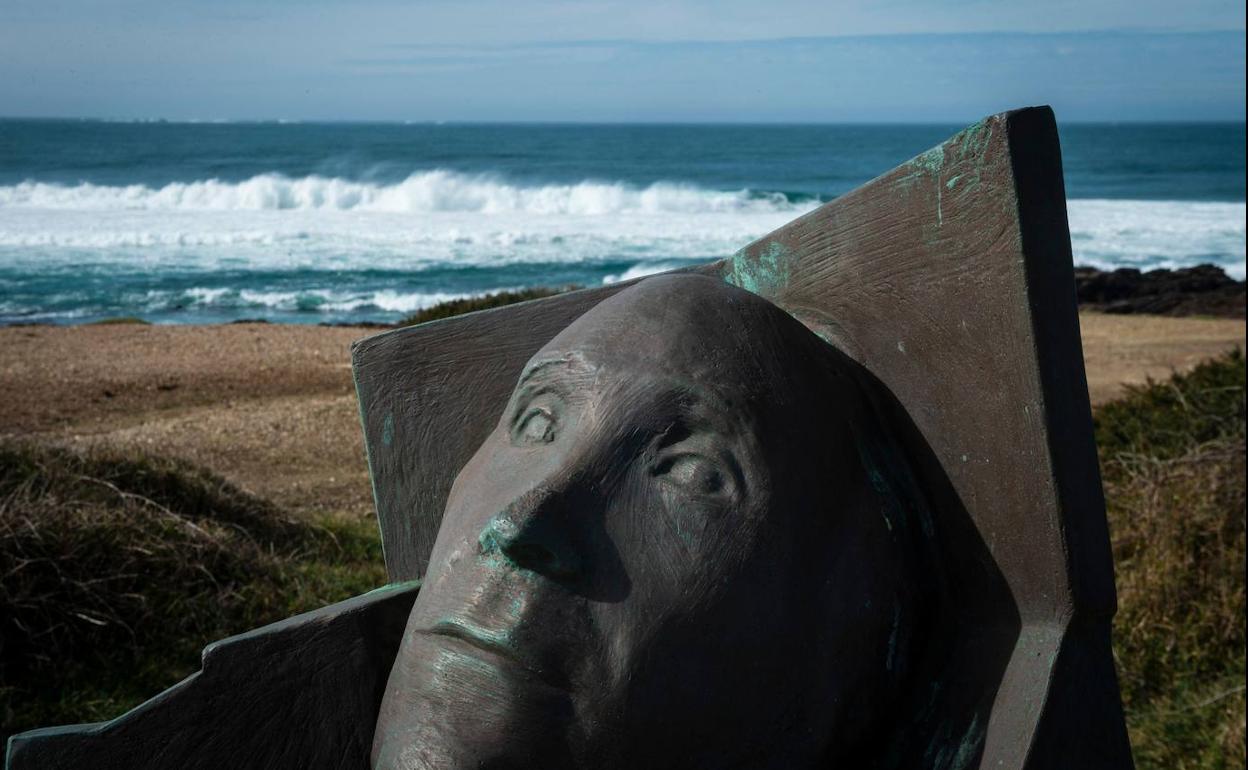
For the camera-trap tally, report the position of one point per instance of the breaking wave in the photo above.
(312, 300)
(428, 191)
(1152, 234)
(324, 248)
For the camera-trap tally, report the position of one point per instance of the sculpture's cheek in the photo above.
(687, 521)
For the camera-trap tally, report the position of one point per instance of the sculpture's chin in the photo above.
(462, 707)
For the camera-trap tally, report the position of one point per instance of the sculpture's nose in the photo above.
(535, 533)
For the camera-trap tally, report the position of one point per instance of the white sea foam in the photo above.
(45, 227)
(425, 192)
(639, 271)
(1152, 234)
(197, 295)
(311, 300)
(443, 219)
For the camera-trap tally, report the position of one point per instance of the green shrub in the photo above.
(1172, 458)
(119, 568)
(484, 302)
(120, 320)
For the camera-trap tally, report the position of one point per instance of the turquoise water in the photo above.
(193, 223)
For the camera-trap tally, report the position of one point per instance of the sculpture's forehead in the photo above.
(687, 328)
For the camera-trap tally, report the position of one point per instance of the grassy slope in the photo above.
(1172, 458)
(117, 569)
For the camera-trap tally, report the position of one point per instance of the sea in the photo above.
(347, 222)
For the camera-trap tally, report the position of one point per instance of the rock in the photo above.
(1201, 290)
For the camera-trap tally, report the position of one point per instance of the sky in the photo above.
(635, 61)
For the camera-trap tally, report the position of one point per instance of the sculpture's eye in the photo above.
(694, 473)
(537, 426)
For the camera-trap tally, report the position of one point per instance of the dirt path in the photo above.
(1128, 349)
(272, 407)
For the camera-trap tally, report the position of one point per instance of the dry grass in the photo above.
(1172, 456)
(117, 569)
(119, 320)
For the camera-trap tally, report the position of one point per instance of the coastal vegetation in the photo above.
(1203, 290)
(456, 307)
(119, 567)
(120, 321)
(1172, 460)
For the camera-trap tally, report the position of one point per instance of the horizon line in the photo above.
(566, 122)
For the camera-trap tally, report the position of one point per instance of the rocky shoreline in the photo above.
(1204, 290)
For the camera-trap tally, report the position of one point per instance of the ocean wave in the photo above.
(1154, 234)
(640, 271)
(319, 303)
(99, 236)
(1104, 233)
(427, 192)
(309, 300)
(141, 239)
(335, 263)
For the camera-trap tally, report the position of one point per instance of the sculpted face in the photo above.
(668, 553)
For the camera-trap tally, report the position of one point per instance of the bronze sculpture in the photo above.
(946, 286)
(676, 507)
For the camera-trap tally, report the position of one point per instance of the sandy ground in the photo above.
(1124, 349)
(272, 407)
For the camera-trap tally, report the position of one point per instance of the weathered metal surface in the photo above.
(693, 540)
(301, 693)
(430, 394)
(949, 279)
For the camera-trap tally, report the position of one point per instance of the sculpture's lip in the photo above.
(490, 643)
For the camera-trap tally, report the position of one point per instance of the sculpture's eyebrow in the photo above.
(538, 369)
(698, 409)
(547, 370)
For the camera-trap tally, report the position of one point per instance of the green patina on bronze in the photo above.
(763, 270)
(931, 161)
(392, 587)
(965, 150)
(368, 457)
(968, 145)
(920, 167)
(387, 430)
(491, 553)
(971, 146)
(973, 140)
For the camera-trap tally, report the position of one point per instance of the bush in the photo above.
(120, 320)
(118, 569)
(484, 302)
(1172, 458)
